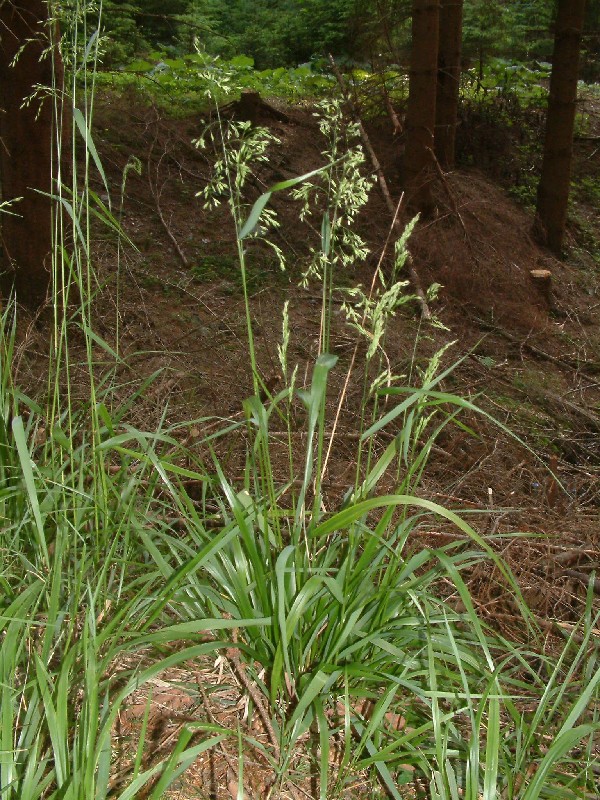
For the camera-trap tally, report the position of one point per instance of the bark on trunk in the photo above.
(554, 186)
(448, 80)
(26, 151)
(420, 122)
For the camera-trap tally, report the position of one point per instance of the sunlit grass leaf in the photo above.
(86, 135)
(260, 204)
(30, 484)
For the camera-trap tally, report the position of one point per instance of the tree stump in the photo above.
(542, 280)
(251, 108)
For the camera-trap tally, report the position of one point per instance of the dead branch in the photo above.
(156, 193)
(550, 398)
(396, 124)
(570, 557)
(584, 579)
(453, 203)
(239, 669)
(232, 655)
(170, 234)
(535, 351)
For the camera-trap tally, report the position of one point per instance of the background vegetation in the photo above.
(278, 33)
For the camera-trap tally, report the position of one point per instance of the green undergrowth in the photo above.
(336, 614)
(186, 85)
(514, 81)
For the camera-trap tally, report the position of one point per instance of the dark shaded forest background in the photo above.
(288, 32)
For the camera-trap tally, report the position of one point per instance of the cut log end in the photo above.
(542, 280)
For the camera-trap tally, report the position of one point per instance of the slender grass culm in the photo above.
(77, 597)
(352, 660)
(349, 630)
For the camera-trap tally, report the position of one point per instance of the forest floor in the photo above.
(529, 360)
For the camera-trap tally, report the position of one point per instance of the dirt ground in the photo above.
(530, 360)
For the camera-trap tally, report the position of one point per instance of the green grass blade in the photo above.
(262, 201)
(27, 472)
(86, 135)
(563, 743)
(492, 750)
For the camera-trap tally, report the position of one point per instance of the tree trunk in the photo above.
(420, 122)
(26, 151)
(554, 186)
(448, 80)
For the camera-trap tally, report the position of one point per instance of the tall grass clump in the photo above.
(350, 633)
(329, 610)
(81, 619)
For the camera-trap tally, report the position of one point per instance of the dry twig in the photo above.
(232, 655)
(453, 204)
(397, 125)
(156, 193)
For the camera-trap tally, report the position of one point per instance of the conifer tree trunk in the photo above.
(420, 121)
(448, 80)
(26, 148)
(553, 189)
